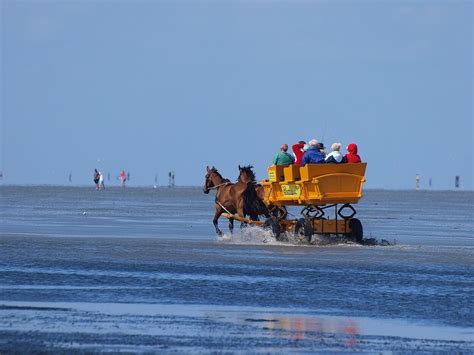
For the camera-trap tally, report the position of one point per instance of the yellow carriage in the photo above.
(320, 188)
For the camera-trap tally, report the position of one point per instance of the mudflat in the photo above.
(140, 269)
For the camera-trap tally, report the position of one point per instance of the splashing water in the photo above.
(255, 235)
(249, 235)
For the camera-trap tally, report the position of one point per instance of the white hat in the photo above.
(313, 143)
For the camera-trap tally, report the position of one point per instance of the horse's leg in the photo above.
(217, 214)
(231, 224)
(240, 212)
(263, 209)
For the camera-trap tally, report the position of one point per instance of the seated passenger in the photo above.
(298, 151)
(352, 156)
(283, 158)
(313, 154)
(322, 148)
(335, 156)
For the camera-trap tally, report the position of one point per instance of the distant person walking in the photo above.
(122, 178)
(101, 181)
(96, 178)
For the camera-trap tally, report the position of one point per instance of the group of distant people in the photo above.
(315, 153)
(99, 179)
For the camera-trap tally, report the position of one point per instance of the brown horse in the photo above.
(259, 207)
(230, 197)
(256, 206)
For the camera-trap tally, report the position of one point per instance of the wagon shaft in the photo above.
(241, 219)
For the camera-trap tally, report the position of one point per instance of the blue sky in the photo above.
(154, 86)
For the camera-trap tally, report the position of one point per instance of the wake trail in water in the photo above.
(254, 235)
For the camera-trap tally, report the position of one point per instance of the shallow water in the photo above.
(141, 269)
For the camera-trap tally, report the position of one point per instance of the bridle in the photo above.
(217, 186)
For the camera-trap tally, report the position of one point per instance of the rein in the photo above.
(217, 195)
(217, 186)
(225, 209)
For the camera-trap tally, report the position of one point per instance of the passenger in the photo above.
(335, 156)
(352, 156)
(313, 154)
(322, 148)
(298, 151)
(283, 158)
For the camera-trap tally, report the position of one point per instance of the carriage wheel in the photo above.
(357, 232)
(273, 225)
(304, 229)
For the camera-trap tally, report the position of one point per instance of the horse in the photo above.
(257, 206)
(230, 197)
(247, 175)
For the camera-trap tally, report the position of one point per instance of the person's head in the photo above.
(320, 146)
(352, 148)
(313, 144)
(336, 147)
(284, 147)
(301, 142)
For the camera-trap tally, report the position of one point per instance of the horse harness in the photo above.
(217, 195)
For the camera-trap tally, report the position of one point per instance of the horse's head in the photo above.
(209, 181)
(246, 174)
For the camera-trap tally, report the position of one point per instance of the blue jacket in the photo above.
(312, 156)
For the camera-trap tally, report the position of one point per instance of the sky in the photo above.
(159, 86)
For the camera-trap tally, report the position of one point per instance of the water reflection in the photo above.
(344, 332)
(304, 330)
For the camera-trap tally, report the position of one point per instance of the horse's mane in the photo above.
(215, 171)
(248, 169)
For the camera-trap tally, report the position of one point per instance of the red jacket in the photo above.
(299, 152)
(352, 156)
